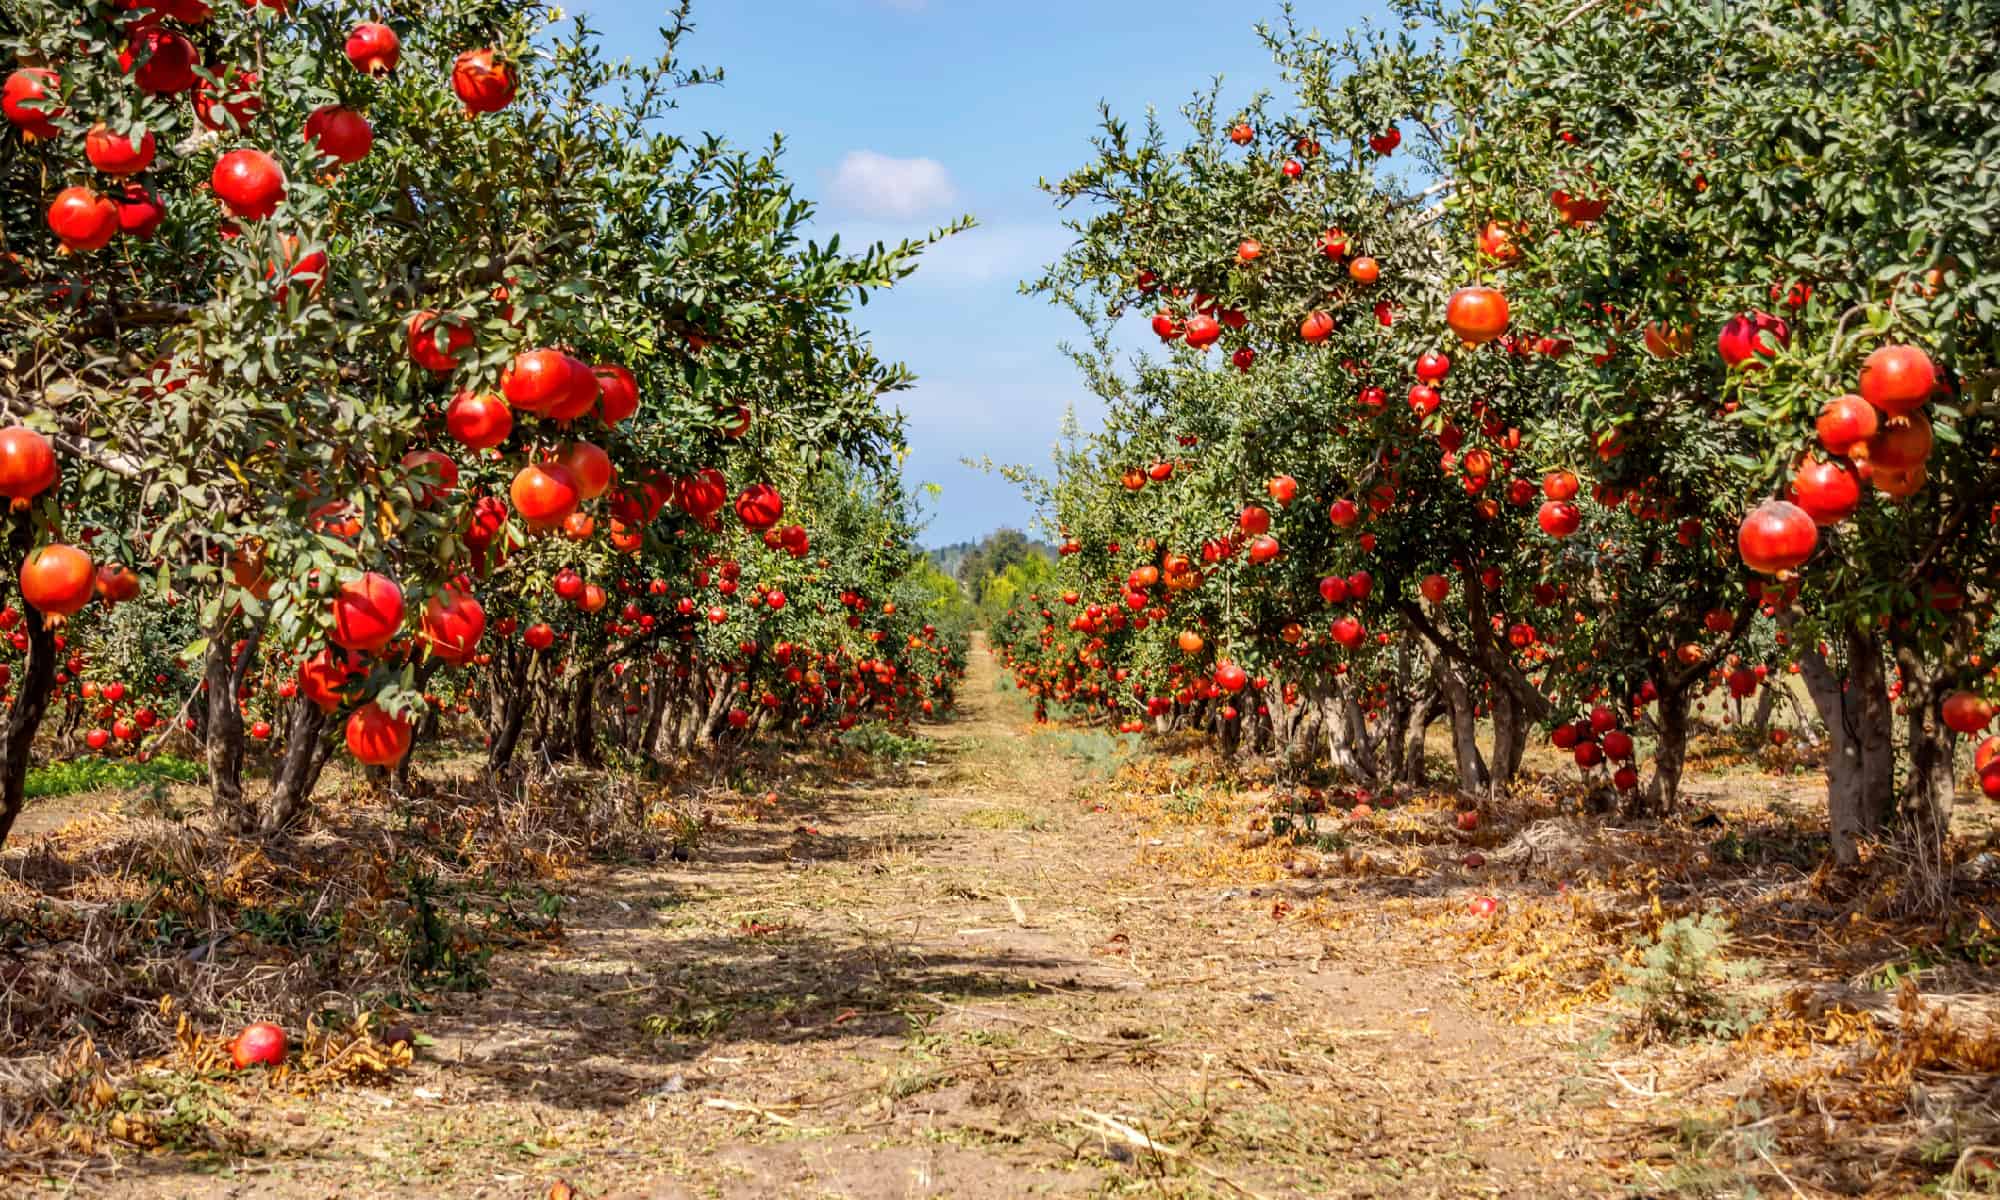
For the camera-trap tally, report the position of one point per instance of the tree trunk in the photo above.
(32, 689)
(1473, 777)
(223, 673)
(1670, 757)
(1860, 751)
(307, 749)
(583, 721)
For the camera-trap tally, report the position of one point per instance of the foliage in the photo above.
(1677, 981)
(74, 776)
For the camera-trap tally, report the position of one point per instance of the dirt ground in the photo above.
(981, 980)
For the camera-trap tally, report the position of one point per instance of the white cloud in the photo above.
(877, 185)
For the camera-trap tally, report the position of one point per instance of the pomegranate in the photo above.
(1558, 518)
(759, 506)
(82, 219)
(1364, 270)
(367, 613)
(1967, 712)
(544, 494)
(28, 101)
(1846, 423)
(538, 637)
(1828, 491)
(115, 153)
(159, 60)
(139, 212)
(478, 420)
(452, 624)
(483, 81)
(537, 380)
(1231, 678)
(58, 580)
(1477, 314)
(617, 393)
(1202, 331)
(591, 467)
(259, 1045)
(431, 465)
(249, 183)
(1898, 379)
(240, 101)
(1776, 537)
(27, 465)
(1902, 444)
(339, 133)
(424, 329)
(1747, 336)
(1316, 328)
(374, 48)
(323, 678)
(375, 737)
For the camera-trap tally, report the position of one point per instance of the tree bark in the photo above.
(32, 689)
(224, 673)
(307, 749)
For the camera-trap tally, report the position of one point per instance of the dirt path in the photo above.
(965, 986)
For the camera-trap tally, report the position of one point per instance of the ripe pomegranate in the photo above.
(537, 380)
(259, 1045)
(617, 393)
(1282, 488)
(1558, 518)
(579, 397)
(249, 183)
(58, 580)
(538, 637)
(340, 133)
(1496, 241)
(374, 48)
(452, 624)
(1747, 336)
(139, 212)
(424, 329)
(759, 506)
(1828, 491)
(1349, 632)
(1231, 678)
(478, 420)
(431, 465)
(483, 81)
(159, 60)
(82, 219)
(590, 466)
(27, 465)
(1777, 536)
(28, 101)
(1364, 270)
(1202, 331)
(1477, 314)
(1898, 379)
(1434, 588)
(544, 494)
(114, 153)
(1316, 328)
(367, 613)
(1846, 423)
(239, 101)
(1967, 712)
(1263, 549)
(1902, 444)
(375, 737)
(1386, 141)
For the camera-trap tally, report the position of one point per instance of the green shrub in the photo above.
(1679, 986)
(108, 774)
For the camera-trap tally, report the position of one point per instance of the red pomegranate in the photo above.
(27, 465)
(1777, 536)
(374, 48)
(590, 466)
(164, 60)
(434, 473)
(702, 494)
(1746, 336)
(375, 737)
(1558, 518)
(1231, 678)
(579, 397)
(1898, 379)
(324, 678)
(58, 580)
(82, 219)
(340, 133)
(249, 183)
(1902, 444)
(1348, 632)
(617, 393)
(1828, 491)
(367, 613)
(1202, 331)
(478, 420)
(1435, 588)
(1263, 549)
(1967, 712)
(1477, 314)
(538, 637)
(483, 81)
(29, 102)
(544, 494)
(139, 211)
(239, 101)
(1316, 328)
(424, 329)
(1846, 423)
(537, 380)
(452, 624)
(759, 506)
(115, 153)
(259, 1045)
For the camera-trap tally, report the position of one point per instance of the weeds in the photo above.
(1678, 985)
(101, 774)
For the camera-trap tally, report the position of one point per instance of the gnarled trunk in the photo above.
(32, 689)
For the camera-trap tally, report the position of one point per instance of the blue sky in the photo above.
(902, 114)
